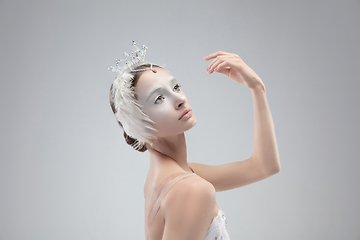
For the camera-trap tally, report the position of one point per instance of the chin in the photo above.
(169, 131)
(193, 122)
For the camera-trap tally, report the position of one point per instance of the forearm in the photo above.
(265, 149)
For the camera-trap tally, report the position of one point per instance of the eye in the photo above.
(159, 99)
(177, 87)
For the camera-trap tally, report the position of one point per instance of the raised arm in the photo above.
(264, 161)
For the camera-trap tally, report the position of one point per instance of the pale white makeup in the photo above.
(162, 99)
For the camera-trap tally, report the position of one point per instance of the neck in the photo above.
(169, 149)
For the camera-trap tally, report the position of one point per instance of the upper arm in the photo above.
(230, 175)
(188, 210)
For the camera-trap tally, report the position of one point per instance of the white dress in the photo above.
(217, 229)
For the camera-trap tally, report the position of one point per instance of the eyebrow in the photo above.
(158, 89)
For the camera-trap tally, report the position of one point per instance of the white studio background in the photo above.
(65, 169)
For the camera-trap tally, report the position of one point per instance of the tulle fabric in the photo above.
(217, 229)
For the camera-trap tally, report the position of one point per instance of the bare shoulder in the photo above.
(188, 209)
(190, 187)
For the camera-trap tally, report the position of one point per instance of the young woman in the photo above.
(154, 113)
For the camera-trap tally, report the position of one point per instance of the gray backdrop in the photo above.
(65, 170)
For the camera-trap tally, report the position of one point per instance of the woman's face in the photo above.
(164, 102)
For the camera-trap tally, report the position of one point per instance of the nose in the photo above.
(180, 101)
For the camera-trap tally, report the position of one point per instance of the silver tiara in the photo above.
(136, 56)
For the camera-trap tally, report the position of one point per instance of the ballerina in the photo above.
(154, 113)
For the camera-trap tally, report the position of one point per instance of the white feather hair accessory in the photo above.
(128, 111)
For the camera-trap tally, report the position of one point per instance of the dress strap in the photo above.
(162, 189)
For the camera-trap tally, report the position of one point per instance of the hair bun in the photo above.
(134, 142)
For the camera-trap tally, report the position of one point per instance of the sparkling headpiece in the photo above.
(137, 55)
(128, 111)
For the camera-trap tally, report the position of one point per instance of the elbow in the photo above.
(273, 170)
(277, 167)
(277, 170)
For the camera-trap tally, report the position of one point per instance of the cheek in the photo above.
(159, 114)
(163, 119)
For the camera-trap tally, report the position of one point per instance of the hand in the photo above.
(235, 68)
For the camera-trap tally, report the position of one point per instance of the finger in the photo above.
(221, 68)
(214, 55)
(213, 64)
(218, 60)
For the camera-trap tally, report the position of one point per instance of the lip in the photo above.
(187, 112)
